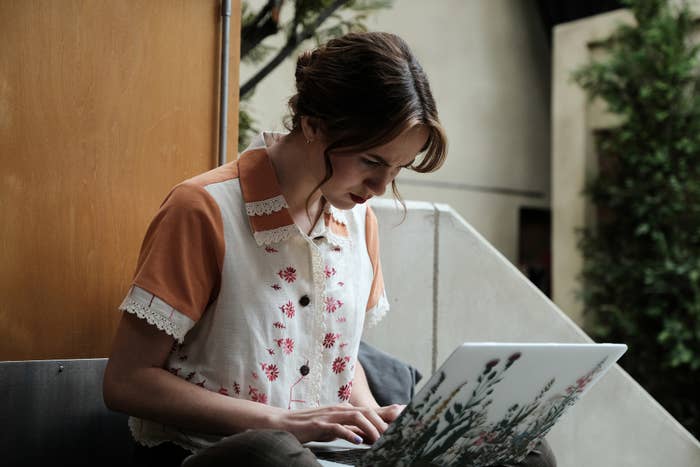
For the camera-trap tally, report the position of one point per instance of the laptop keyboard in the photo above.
(346, 456)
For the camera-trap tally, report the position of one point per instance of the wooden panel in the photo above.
(234, 77)
(103, 107)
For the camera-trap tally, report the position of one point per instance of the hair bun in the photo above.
(303, 61)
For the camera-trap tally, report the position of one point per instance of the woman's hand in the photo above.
(354, 424)
(390, 413)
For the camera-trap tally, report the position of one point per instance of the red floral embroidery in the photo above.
(276, 286)
(343, 345)
(201, 383)
(286, 344)
(329, 272)
(336, 248)
(271, 371)
(236, 388)
(223, 390)
(339, 364)
(256, 395)
(342, 284)
(175, 371)
(332, 305)
(342, 319)
(254, 375)
(288, 309)
(270, 351)
(345, 391)
(289, 274)
(279, 325)
(270, 249)
(329, 340)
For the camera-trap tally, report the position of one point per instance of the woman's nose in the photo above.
(377, 184)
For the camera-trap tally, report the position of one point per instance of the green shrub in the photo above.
(641, 275)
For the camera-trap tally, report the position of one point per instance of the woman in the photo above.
(240, 335)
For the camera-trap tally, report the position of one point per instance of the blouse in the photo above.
(259, 310)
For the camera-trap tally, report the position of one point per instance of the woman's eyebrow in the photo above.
(384, 162)
(379, 158)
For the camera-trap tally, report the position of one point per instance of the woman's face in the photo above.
(358, 177)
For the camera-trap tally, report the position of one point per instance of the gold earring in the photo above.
(308, 141)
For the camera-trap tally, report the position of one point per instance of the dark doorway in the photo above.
(535, 247)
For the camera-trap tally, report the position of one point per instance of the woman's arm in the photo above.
(362, 397)
(136, 383)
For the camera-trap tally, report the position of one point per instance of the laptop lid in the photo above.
(490, 403)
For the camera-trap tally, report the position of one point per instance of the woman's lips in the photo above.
(357, 199)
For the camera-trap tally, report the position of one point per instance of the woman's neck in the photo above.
(297, 174)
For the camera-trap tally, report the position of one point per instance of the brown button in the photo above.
(305, 300)
(304, 370)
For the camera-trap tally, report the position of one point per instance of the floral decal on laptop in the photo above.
(444, 432)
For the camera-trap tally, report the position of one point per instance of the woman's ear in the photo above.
(311, 128)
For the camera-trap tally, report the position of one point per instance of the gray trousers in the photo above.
(272, 448)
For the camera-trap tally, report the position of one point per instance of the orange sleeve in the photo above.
(182, 253)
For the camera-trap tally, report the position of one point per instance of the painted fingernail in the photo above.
(358, 440)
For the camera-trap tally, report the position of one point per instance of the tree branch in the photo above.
(265, 23)
(292, 43)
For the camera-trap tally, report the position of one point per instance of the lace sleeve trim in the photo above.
(266, 206)
(157, 312)
(377, 312)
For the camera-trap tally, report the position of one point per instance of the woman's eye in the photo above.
(370, 162)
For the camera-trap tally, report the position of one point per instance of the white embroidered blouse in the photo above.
(259, 309)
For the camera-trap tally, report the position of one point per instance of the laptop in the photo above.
(488, 404)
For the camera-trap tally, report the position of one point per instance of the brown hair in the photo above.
(365, 89)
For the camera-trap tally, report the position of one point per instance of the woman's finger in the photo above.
(390, 413)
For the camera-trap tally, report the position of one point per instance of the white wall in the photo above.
(488, 63)
(458, 288)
